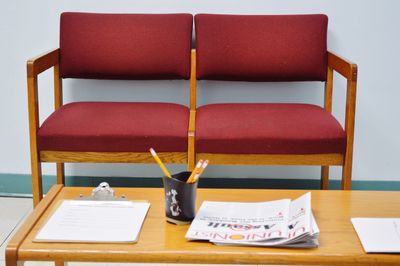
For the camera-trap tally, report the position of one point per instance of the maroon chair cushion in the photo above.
(267, 129)
(116, 127)
(125, 46)
(261, 48)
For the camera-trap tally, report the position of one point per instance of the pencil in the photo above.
(195, 170)
(162, 166)
(197, 175)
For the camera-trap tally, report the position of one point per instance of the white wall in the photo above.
(365, 31)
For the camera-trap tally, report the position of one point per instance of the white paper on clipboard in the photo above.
(95, 221)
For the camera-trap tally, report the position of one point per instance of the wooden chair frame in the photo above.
(43, 62)
(335, 63)
(36, 66)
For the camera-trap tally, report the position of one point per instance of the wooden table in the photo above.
(161, 242)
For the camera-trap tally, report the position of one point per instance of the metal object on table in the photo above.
(103, 192)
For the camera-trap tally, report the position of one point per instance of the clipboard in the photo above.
(99, 218)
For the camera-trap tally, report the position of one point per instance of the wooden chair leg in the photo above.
(325, 177)
(37, 189)
(60, 263)
(347, 172)
(60, 173)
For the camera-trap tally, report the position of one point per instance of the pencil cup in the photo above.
(180, 198)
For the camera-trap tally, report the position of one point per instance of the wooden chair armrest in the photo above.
(38, 64)
(348, 70)
(35, 66)
(343, 66)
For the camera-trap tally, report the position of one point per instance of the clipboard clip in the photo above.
(103, 192)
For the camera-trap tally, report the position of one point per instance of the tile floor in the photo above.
(13, 211)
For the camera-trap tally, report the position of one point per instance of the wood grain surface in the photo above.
(161, 242)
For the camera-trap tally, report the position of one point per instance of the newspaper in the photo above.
(282, 223)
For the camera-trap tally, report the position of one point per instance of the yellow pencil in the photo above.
(195, 170)
(162, 166)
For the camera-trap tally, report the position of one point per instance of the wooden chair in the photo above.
(111, 46)
(271, 48)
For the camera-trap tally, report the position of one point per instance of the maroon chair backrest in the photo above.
(261, 47)
(125, 46)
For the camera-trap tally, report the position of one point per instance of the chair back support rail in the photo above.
(110, 52)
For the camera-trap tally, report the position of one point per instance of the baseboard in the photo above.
(20, 184)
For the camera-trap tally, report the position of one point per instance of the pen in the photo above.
(162, 166)
(195, 170)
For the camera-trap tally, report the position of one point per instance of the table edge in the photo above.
(11, 253)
